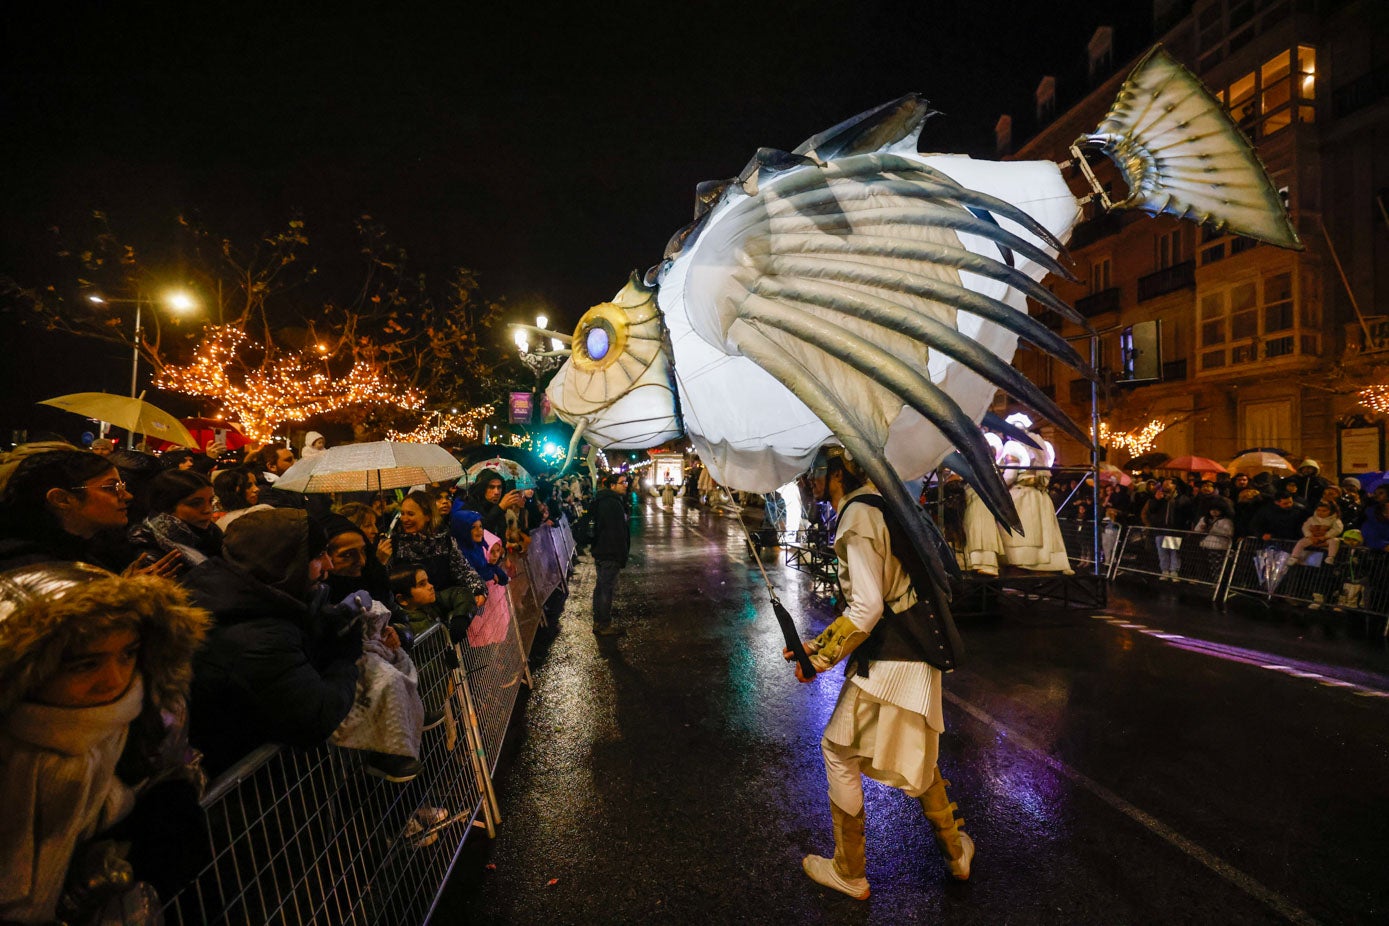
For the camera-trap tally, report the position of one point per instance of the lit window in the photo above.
(1278, 302)
(1267, 100)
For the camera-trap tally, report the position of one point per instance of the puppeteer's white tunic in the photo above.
(891, 720)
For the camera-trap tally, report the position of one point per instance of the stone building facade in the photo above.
(1259, 346)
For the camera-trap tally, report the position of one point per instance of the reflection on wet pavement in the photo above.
(1107, 775)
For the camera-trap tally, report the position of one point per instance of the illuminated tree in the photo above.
(277, 341)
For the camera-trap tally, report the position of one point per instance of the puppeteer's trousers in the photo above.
(884, 742)
(604, 586)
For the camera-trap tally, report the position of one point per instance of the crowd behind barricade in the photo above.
(163, 616)
(1308, 539)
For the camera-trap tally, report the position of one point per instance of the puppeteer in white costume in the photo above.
(855, 291)
(983, 539)
(1039, 546)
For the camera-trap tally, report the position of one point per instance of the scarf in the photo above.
(58, 787)
(170, 533)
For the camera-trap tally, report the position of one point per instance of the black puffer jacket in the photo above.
(272, 670)
(611, 539)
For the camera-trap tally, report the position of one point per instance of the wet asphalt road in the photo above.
(1154, 763)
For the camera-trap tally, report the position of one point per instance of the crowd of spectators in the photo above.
(1294, 508)
(1306, 510)
(163, 616)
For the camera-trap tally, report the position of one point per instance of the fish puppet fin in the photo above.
(1182, 155)
(844, 273)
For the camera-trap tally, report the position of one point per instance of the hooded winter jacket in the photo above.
(461, 523)
(67, 773)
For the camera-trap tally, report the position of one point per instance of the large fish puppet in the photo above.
(856, 291)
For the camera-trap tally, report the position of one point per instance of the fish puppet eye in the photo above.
(600, 338)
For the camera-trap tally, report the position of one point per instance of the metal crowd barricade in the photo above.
(306, 836)
(1197, 559)
(1356, 581)
(809, 551)
(1079, 537)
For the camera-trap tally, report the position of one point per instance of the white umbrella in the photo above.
(371, 468)
(1259, 461)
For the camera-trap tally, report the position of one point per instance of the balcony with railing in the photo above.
(1106, 300)
(1087, 233)
(1167, 280)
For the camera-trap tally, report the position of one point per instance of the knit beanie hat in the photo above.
(335, 525)
(275, 546)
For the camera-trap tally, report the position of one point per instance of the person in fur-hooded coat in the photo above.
(92, 669)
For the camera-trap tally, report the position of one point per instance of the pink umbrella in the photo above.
(1190, 464)
(1113, 474)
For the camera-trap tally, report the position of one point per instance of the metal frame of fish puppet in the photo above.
(856, 291)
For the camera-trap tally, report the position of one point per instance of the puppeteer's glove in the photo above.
(835, 643)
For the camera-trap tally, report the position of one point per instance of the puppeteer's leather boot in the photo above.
(955, 845)
(847, 871)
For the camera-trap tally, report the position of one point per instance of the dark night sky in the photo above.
(552, 148)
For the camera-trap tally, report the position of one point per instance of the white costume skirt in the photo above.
(892, 745)
(1041, 546)
(982, 542)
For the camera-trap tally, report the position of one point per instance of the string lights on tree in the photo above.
(444, 427)
(264, 389)
(1134, 442)
(1376, 398)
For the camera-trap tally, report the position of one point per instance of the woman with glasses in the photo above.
(71, 505)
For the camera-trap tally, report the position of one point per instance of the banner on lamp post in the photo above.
(547, 411)
(520, 408)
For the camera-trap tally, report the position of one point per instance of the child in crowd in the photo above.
(423, 606)
(1322, 531)
(181, 518)
(94, 674)
(387, 717)
(1110, 529)
(1217, 524)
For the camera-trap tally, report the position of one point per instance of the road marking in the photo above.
(1272, 899)
(1239, 654)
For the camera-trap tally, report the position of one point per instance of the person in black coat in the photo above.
(610, 546)
(1280, 519)
(280, 665)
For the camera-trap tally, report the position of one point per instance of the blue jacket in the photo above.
(461, 521)
(1375, 531)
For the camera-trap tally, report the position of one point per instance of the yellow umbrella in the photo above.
(135, 415)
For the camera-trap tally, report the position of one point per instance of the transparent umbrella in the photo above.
(371, 468)
(1271, 564)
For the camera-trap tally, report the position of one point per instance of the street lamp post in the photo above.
(539, 362)
(178, 301)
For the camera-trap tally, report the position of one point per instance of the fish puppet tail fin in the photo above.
(1182, 155)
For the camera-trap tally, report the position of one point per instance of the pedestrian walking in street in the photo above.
(888, 720)
(610, 546)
